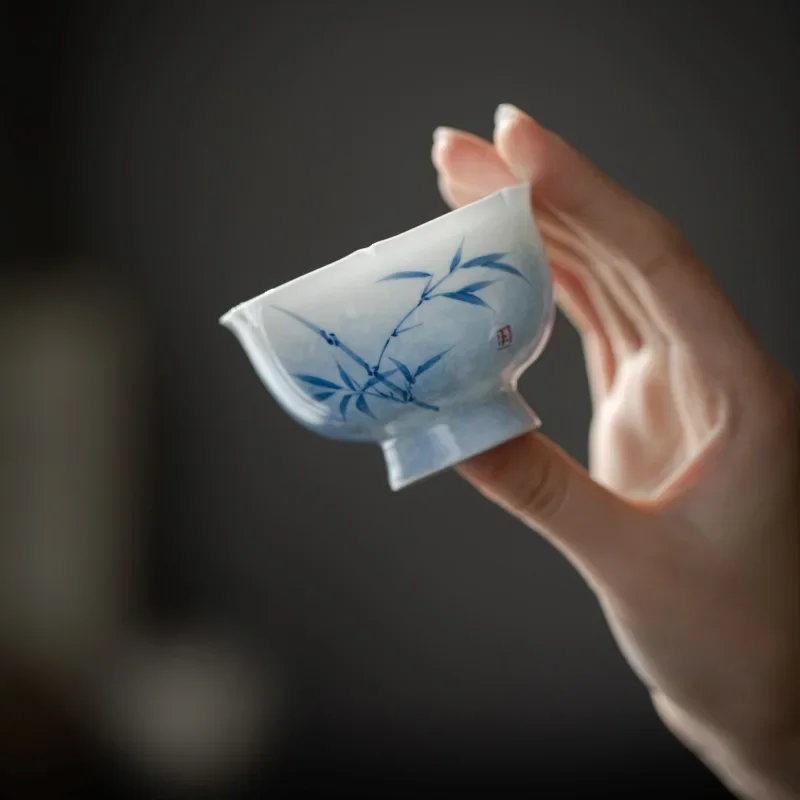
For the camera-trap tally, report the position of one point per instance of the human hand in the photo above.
(687, 525)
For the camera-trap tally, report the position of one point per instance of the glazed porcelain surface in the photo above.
(415, 343)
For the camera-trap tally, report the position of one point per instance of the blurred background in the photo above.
(197, 597)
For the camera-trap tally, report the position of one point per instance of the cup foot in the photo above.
(455, 436)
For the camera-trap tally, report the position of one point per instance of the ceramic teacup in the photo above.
(415, 343)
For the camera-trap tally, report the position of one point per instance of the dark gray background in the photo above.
(207, 151)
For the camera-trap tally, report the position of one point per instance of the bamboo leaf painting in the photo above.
(365, 384)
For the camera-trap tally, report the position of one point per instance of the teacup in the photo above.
(415, 343)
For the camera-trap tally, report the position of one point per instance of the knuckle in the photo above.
(540, 491)
(525, 477)
(498, 470)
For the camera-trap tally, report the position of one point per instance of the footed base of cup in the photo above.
(455, 436)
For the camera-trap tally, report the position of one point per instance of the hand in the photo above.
(687, 525)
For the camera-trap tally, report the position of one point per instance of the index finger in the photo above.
(649, 251)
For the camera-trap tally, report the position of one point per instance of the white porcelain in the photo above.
(415, 343)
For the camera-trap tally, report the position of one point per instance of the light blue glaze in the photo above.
(415, 343)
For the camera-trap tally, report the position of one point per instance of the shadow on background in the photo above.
(197, 596)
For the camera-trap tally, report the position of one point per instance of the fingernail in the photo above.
(505, 114)
(441, 133)
(441, 136)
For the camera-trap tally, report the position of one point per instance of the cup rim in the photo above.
(506, 190)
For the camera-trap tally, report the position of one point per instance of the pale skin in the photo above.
(687, 523)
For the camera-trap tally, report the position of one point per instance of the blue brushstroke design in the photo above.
(376, 381)
(426, 365)
(404, 369)
(466, 297)
(456, 258)
(361, 405)
(346, 379)
(315, 381)
(397, 276)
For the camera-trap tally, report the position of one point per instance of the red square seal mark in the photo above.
(503, 337)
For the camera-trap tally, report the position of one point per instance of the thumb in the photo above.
(536, 481)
